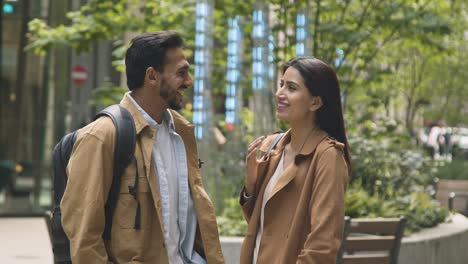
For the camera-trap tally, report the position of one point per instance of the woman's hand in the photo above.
(252, 165)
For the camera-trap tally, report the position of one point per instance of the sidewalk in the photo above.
(24, 240)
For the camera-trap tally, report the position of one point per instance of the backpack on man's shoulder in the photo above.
(123, 155)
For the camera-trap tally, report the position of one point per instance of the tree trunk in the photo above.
(412, 101)
(20, 84)
(316, 24)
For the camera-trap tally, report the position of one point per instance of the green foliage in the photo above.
(247, 118)
(389, 176)
(420, 210)
(231, 222)
(359, 203)
(187, 111)
(107, 94)
(424, 212)
(418, 73)
(386, 162)
(229, 160)
(362, 29)
(454, 170)
(97, 20)
(119, 54)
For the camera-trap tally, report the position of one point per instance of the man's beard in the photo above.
(166, 94)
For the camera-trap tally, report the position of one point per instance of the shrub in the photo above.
(231, 222)
(455, 170)
(389, 177)
(386, 162)
(420, 210)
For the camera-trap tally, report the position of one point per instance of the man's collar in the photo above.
(169, 120)
(140, 121)
(171, 117)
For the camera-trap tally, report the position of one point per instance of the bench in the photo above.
(452, 194)
(371, 241)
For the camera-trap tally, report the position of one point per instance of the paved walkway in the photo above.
(24, 240)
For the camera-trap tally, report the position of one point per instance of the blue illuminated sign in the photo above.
(8, 8)
(233, 73)
(301, 34)
(199, 103)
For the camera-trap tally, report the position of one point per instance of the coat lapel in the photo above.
(265, 171)
(151, 174)
(203, 205)
(267, 168)
(291, 171)
(145, 141)
(288, 175)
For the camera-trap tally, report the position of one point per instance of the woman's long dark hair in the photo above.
(320, 79)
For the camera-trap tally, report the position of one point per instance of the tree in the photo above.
(362, 29)
(426, 73)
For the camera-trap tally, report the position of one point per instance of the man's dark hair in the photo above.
(148, 50)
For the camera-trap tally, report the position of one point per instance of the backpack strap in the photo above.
(273, 144)
(61, 156)
(62, 153)
(125, 140)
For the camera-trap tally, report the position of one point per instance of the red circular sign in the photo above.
(79, 75)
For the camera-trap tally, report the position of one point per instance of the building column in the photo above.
(302, 32)
(262, 95)
(233, 90)
(202, 97)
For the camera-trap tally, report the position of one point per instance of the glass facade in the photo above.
(35, 102)
(22, 111)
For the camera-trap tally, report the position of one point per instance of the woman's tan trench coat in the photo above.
(304, 215)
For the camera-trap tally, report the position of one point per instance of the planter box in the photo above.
(443, 244)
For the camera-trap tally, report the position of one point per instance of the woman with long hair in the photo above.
(293, 197)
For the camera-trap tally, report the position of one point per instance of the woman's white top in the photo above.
(271, 184)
